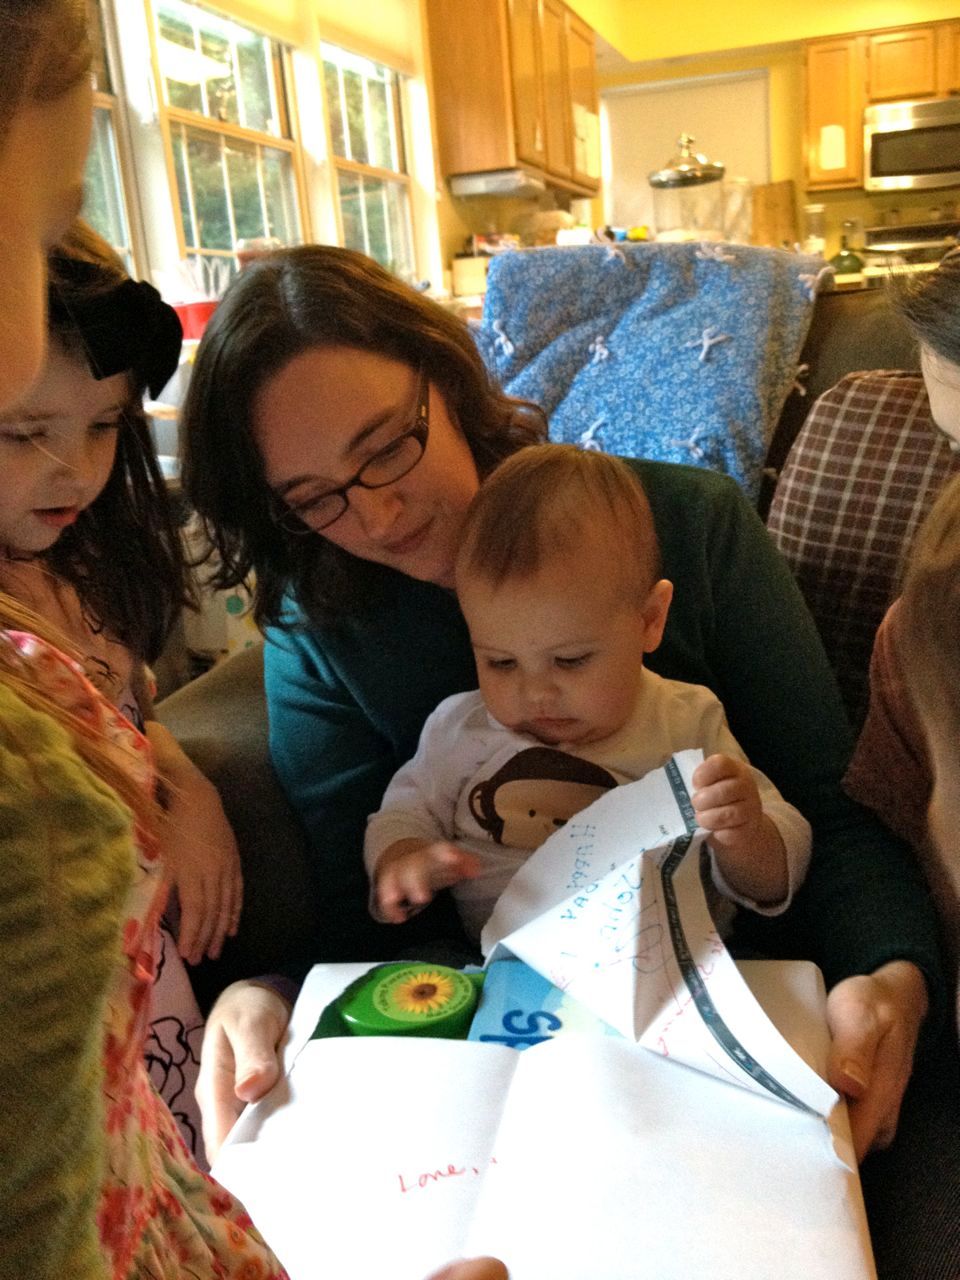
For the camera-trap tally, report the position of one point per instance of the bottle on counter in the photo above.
(846, 263)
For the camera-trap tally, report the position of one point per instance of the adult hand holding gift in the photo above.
(456, 1147)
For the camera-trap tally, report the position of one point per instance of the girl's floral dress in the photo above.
(172, 1044)
(159, 1216)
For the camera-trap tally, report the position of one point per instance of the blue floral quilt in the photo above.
(677, 352)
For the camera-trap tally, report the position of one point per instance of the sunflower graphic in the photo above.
(425, 992)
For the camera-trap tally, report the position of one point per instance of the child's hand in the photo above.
(199, 852)
(726, 801)
(410, 873)
(201, 860)
(745, 841)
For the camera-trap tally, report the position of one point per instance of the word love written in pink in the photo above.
(432, 1177)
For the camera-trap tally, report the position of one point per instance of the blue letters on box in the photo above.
(520, 1008)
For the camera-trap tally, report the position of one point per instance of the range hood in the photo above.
(497, 182)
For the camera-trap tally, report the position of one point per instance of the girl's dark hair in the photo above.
(44, 51)
(930, 304)
(124, 555)
(280, 306)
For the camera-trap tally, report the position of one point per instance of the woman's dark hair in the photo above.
(124, 555)
(930, 304)
(280, 306)
(44, 51)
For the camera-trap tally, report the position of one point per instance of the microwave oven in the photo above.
(910, 146)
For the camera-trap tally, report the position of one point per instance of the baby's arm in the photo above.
(407, 849)
(409, 873)
(745, 841)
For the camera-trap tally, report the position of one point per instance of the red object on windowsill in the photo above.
(194, 317)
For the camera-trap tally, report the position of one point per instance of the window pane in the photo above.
(189, 230)
(209, 193)
(245, 191)
(331, 80)
(356, 119)
(371, 133)
(217, 67)
(383, 156)
(376, 220)
(103, 204)
(218, 75)
(253, 55)
(351, 213)
(177, 55)
(282, 217)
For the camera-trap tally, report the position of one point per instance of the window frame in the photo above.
(111, 98)
(343, 164)
(288, 141)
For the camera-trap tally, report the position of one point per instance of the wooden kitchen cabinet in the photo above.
(902, 64)
(526, 74)
(523, 94)
(948, 59)
(835, 83)
(584, 102)
(556, 89)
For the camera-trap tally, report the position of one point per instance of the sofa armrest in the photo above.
(220, 720)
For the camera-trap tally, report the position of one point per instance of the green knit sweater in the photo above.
(66, 863)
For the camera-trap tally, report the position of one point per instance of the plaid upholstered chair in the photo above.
(861, 475)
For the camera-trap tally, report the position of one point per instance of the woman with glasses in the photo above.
(336, 429)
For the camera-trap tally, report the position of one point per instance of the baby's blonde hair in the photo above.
(543, 502)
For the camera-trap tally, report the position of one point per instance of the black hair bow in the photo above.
(124, 328)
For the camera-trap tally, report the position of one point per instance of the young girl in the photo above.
(87, 541)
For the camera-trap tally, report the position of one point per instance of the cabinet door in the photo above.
(527, 75)
(948, 58)
(902, 64)
(556, 89)
(834, 114)
(584, 108)
(471, 86)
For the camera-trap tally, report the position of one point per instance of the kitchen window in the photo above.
(104, 198)
(235, 162)
(367, 143)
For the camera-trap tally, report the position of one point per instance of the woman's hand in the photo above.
(198, 849)
(874, 1022)
(240, 1059)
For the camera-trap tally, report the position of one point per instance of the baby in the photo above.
(559, 579)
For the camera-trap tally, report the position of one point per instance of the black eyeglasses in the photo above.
(386, 466)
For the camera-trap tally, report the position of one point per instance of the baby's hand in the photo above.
(745, 841)
(726, 801)
(412, 872)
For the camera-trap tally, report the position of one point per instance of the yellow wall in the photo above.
(388, 29)
(784, 67)
(642, 32)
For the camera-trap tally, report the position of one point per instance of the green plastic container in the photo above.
(404, 999)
